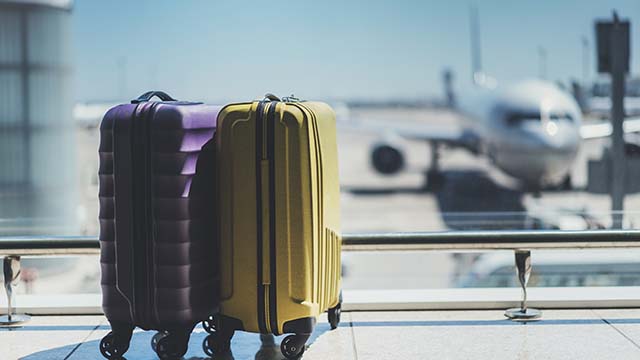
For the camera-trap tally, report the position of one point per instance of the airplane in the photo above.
(530, 130)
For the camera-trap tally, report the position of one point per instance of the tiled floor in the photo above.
(562, 334)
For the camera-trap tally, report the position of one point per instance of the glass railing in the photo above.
(50, 266)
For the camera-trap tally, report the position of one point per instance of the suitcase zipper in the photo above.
(136, 218)
(265, 190)
(142, 211)
(259, 148)
(150, 218)
(271, 300)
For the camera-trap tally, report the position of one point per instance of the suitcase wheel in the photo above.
(169, 346)
(112, 349)
(334, 313)
(293, 346)
(209, 324)
(154, 340)
(334, 316)
(213, 344)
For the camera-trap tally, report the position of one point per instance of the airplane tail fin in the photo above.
(478, 76)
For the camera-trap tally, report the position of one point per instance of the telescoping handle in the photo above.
(150, 94)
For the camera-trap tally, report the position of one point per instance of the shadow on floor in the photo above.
(244, 346)
(468, 200)
(471, 200)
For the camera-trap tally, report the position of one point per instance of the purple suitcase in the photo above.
(157, 221)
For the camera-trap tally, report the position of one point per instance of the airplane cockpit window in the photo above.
(514, 119)
(561, 117)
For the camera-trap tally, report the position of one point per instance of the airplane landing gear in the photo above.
(567, 184)
(434, 179)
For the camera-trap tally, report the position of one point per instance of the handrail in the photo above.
(49, 245)
(493, 240)
(446, 241)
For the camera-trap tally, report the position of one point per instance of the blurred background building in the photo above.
(37, 135)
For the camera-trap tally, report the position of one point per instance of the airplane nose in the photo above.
(551, 128)
(539, 153)
(560, 147)
(560, 138)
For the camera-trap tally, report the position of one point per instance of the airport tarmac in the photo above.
(473, 187)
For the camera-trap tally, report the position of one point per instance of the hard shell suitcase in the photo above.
(157, 234)
(278, 199)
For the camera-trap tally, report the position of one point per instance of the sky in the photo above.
(230, 50)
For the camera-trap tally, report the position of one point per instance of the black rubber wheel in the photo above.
(292, 348)
(208, 345)
(154, 340)
(212, 344)
(209, 324)
(170, 347)
(110, 349)
(334, 316)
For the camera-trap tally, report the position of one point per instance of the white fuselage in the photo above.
(530, 130)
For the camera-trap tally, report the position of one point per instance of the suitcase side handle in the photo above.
(150, 94)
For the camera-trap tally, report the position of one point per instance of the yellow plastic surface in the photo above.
(307, 206)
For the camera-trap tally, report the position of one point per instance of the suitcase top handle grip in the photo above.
(150, 94)
(270, 97)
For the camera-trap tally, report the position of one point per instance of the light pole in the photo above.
(585, 60)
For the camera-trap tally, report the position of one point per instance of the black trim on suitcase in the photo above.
(273, 308)
(300, 326)
(258, 143)
(142, 214)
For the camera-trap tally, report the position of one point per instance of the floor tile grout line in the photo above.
(622, 333)
(353, 336)
(83, 340)
(619, 331)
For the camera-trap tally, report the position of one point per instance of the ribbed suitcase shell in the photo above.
(183, 278)
(302, 264)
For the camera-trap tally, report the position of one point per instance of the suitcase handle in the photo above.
(150, 94)
(270, 97)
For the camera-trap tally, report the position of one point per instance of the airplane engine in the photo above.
(387, 157)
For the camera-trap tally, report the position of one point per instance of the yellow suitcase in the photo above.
(279, 216)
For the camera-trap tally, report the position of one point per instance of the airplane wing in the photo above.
(604, 129)
(408, 130)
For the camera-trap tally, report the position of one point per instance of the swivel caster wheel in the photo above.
(334, 316)
(170, 347)
(293, 347)
(154, 340)
(334, 313)
(209, 324)
(110, 349)
(213, 345)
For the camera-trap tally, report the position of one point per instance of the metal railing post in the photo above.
(523, 270)
(11, 269)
